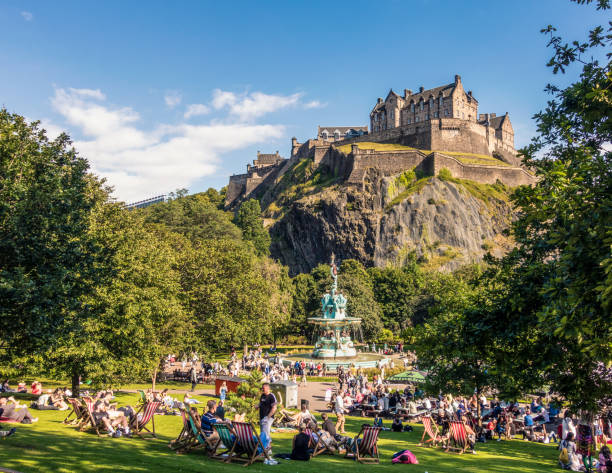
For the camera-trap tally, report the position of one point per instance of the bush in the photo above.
(445, 175)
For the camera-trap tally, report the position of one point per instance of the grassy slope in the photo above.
(49, 446)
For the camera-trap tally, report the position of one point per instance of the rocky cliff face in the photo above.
(445, 222)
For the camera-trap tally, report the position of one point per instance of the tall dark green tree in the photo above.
(248, 218)
(543, 314)
(46, 251)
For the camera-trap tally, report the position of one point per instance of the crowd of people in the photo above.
(582, 440)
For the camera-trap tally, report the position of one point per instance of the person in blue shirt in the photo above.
(528, 429)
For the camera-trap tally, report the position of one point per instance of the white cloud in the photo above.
(141, 163)
(172, 99)
(247, 107)
(314, 104)
(196, 109)
(27, 16)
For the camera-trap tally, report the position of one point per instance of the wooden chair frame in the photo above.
(366, 451)
(247, 444)
(458, 436)
(148, 415)
(430, 428)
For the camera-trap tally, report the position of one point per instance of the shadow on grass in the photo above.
(49, 446)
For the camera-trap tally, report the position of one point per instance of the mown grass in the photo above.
(50, 446)
(465, 158)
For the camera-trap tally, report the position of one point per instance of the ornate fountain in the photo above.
(334, 327)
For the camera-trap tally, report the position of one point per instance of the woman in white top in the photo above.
(567, 426)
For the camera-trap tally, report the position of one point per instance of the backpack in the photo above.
(564, 456)
(404, 456)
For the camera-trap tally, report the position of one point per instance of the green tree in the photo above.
(46, 253)
(399, 292)
(542, 315)
(248, 218)
(354, 282)
(135, 316)
(564, 229)
(196, 216)
(236, 297)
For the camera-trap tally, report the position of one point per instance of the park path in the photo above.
(314, 392)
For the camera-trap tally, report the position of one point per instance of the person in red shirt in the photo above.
(36, 388)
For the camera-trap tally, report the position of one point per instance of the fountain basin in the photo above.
(361, 360)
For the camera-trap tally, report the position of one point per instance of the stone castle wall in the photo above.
(389, 163)
(444, 134)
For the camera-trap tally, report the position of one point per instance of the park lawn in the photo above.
(50, 446)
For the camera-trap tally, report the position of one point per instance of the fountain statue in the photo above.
(334, 327)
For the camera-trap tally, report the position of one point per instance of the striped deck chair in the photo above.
(89, 419)
(312, 443)
(226, 441)
(248, 445)
(77, 410)
(365, 450)
(430, 428)
(196, 439)
(323, 447)
(458, 437)
(183, 437)
(147, 414)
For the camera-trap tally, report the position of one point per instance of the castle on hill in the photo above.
(438, 128)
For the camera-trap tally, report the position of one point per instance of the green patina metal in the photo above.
(334, 326)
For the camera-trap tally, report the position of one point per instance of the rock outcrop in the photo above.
(445, 222)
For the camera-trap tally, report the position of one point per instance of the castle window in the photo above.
(421, 105)
(412, 107)
(431, 103)
(416, 119)
(409, 121)
(337, 135)
(435, 114)
(447, 113)
(440, 100)
(427, 116)
(324, 134)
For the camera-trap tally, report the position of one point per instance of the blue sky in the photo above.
(161, 95)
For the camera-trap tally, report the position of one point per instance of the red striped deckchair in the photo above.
(183, 437)
(89, 419)
(365, 450)
(147, 414)
(430, 428)
(248, 445)
(458, 437)
(313, 441)
(77, 410)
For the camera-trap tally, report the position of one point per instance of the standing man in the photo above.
(267, 408)
(340, 410)
(193, 376)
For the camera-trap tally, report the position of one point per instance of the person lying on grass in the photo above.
(9, 411)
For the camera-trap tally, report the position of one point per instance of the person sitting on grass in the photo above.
(569, 459)
(10, 412)
(300, 450)
(36, 388)
(397, 426)
(605, 460)
(56, 399)
(328, 426)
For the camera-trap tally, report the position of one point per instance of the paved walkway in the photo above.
(314, 392)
